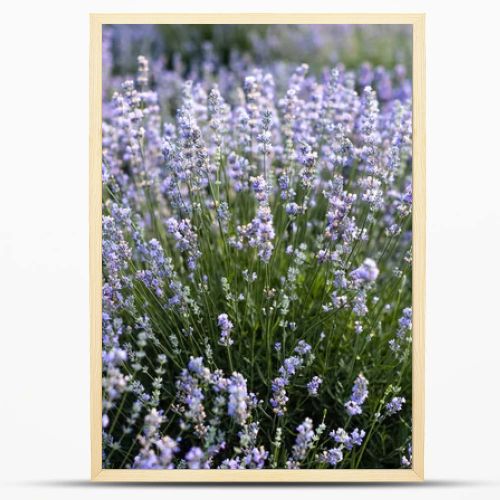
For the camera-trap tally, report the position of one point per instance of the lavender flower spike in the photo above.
(332, 457)
(225, 330)
(238, 398)
(313, 385)
(358, 396)
(395, 405)
(303, 441)
(366, 272)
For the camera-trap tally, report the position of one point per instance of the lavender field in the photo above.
(257, 247)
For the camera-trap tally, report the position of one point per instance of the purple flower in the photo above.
(143, 71)
(395, 405)
(407, 461)
(352, 408)
(366, 272)
(332, 457)
(340, 436)
(308, 159)
(195, 365)
(367, 126)
(303, 442)
(232, 464)
(341, 226)
(194, 458)
(289, 368)
(303, 348)
(186, 240)
(257, 457)
(405, 322)
(263, 233)
(238, 171)
(365, 74)
(403, 333)
(292, 208)
(358, 327)
(279, 398)
(225, 330)
(359, 308)
(167, 448)
(156, 452)
(357, 436)
(260, 187)
(358, 396)
(313, 386)
(264, 137)
(237, 406)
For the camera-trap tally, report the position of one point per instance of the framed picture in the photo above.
(257, 247)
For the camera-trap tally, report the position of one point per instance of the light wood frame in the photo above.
(416, 473)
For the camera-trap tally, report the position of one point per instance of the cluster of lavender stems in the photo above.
(256, 263)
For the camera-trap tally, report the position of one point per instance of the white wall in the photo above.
(44, 415)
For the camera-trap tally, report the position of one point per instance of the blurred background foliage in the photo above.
(188, 46)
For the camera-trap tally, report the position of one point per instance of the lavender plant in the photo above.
(256, 263)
